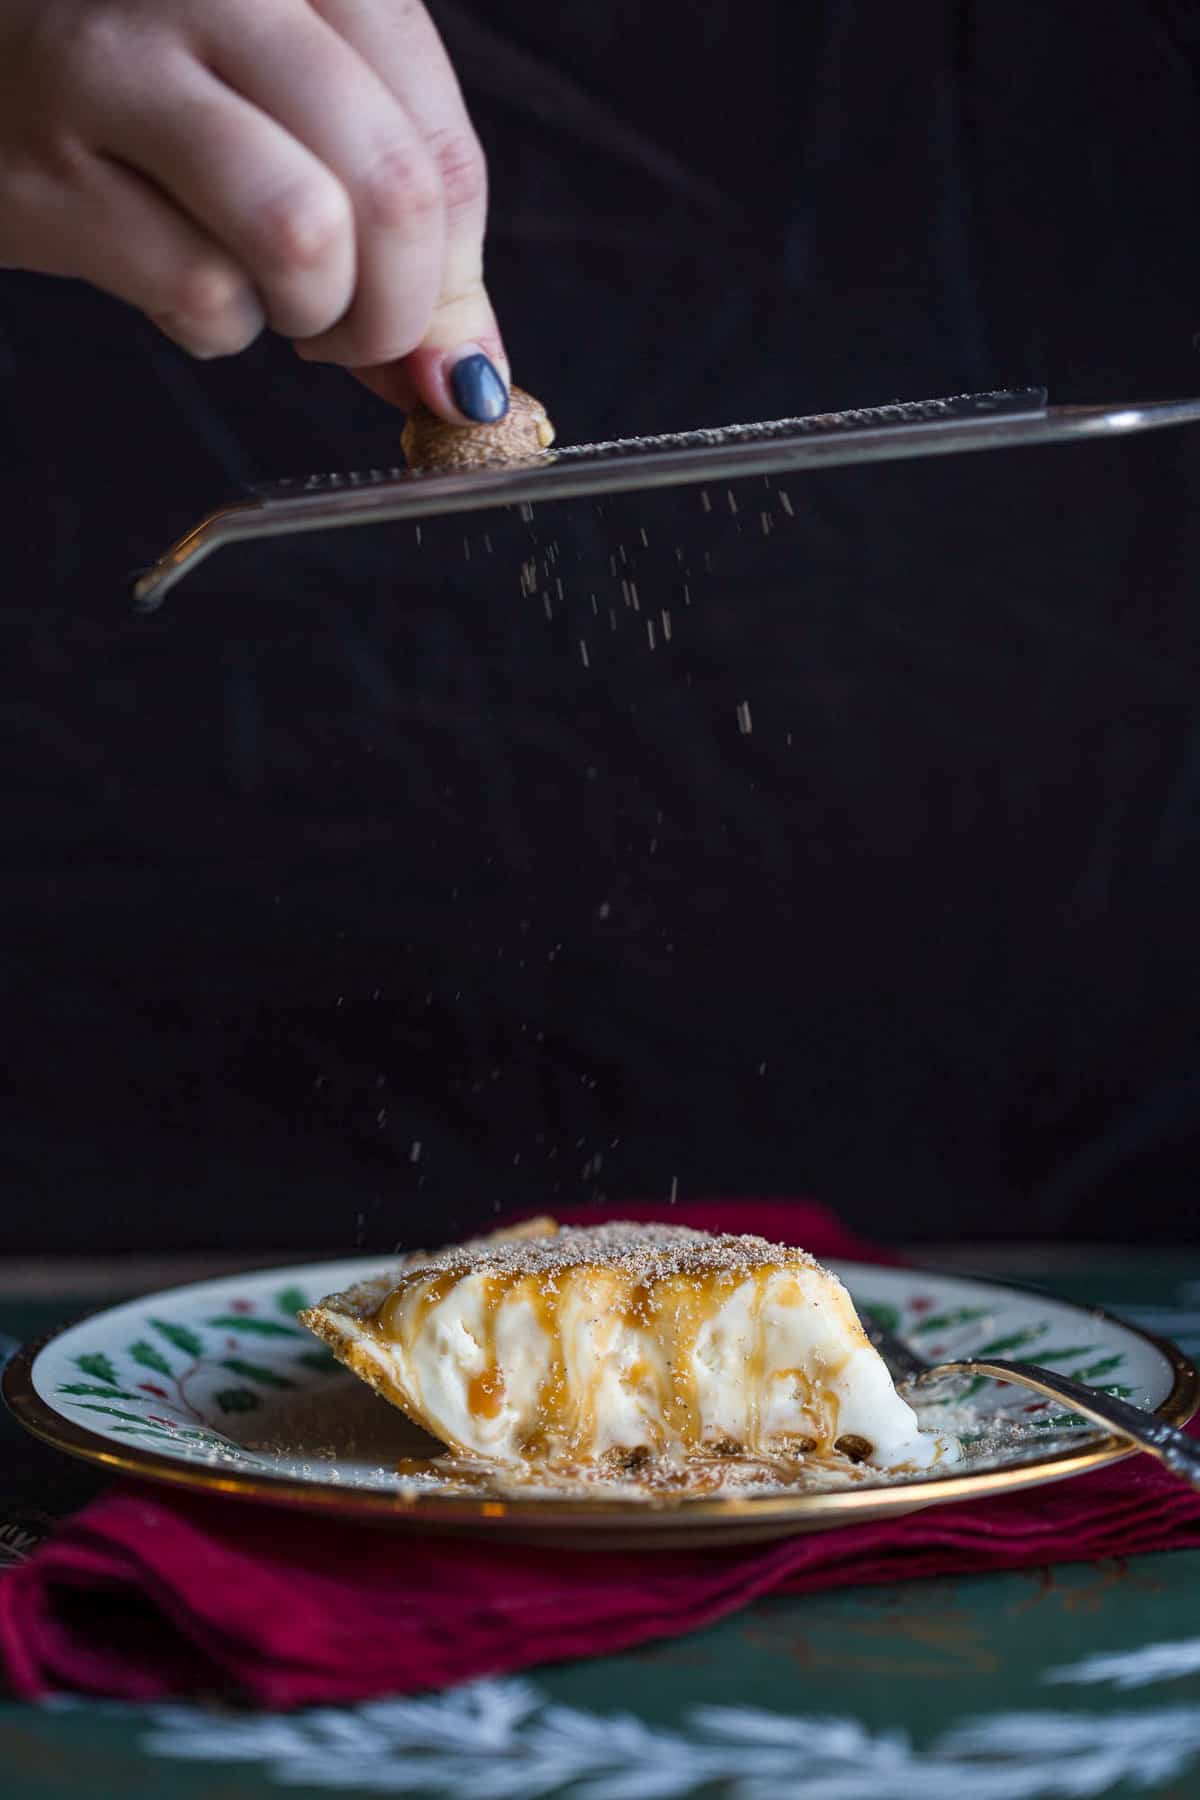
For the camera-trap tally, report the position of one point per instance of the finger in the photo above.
(445, 371)
(110, 227)
(247, 182)
(318, 86)
(468, 383)
(391, 382)
(467, 386)
(469, 394)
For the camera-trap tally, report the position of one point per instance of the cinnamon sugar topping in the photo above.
(643, 1253)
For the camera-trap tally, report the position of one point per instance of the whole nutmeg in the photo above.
(432, 443)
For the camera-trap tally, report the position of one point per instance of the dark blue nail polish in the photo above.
(478, 391)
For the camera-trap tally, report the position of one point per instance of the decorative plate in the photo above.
(215, 1386)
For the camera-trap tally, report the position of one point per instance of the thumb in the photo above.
(459, 370)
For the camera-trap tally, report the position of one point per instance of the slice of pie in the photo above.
(623, 1342)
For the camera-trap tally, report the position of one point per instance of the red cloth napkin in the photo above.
(151, 1593)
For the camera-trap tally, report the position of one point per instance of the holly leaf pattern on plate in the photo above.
(148, 1357)
(257, 1327)
(237, 1365)
(944, 1321)
(237, 1399)
(1105, 1366)
(180, 1336)
(99, 1393)
(98, 1365)
(1015, 1340)
(119, 1412)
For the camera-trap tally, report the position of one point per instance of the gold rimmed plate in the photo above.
(215, 1387)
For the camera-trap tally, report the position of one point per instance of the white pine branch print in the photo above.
(500, 1740)
(1132, 1668)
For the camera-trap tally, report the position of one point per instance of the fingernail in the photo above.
(478, 388)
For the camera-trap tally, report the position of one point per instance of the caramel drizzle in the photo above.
(672, 1310)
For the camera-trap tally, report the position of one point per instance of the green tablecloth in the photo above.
(1067, 1682)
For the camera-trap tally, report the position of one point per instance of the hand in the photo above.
(228, 164)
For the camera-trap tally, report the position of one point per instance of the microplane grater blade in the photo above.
(1000, 403)
(1008, 419)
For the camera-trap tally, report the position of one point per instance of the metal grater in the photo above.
(1006, 418)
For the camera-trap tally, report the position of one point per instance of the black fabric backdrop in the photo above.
(342, 904)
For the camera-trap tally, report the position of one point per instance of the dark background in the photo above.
(346, 852)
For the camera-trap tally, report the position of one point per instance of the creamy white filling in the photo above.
(775, 1362)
